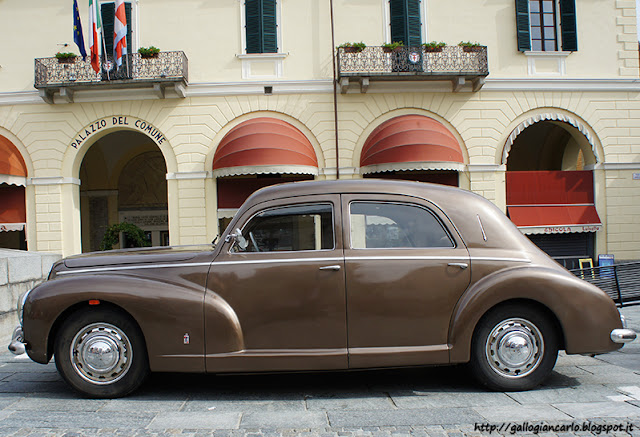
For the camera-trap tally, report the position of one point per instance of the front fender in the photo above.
(585, 313)
(164, 309)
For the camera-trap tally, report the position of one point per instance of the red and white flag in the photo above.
(94, 34)
(119, 33)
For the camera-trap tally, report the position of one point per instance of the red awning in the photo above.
(264, 146)
(411, 142)
(13, 170)
(13, 214)
(555, 219)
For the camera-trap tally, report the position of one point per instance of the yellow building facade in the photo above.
(98, 151)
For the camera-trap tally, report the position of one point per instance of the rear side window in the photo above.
(290, 228)
(379, 225)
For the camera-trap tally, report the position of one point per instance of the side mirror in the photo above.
(236, 238)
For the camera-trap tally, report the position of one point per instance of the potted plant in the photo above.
(352, 47)
(393, 47)
(66, 58)
(135, 236)
(148, 52)
(433, 46)
(470, 46)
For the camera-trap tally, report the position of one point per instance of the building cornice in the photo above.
(561, 84)
(257, 88)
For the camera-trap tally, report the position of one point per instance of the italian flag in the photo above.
(95, 27)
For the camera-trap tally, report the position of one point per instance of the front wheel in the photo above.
(101, 353)
(514, 348)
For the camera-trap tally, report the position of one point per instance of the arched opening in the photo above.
(550, 195)
(13, 178)
(257, 153)
(412, 147)
(123, 179)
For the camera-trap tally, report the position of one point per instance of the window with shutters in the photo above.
(107, 11)
(405, 21)
(261, 26)
(546, 25)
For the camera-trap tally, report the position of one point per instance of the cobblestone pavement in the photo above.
(584, 396)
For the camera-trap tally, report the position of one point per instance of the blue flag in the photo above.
(78, 36)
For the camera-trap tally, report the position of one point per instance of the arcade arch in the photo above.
(550, 185)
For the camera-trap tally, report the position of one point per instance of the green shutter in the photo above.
(269, 27)
(261, 26)
(405, 22)
(414, 25)
(398, 30)
(522, 25)
(568, 25)
(108, 11)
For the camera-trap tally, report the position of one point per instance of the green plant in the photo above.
(434, 45)
(353, 47)
(393, 45)
(61, 55)
(148, 51)
(469, 44)
(134, 234)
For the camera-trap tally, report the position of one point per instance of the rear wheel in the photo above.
(514, 348)
(101, 353)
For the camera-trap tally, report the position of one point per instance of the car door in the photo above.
(406, 267)
(282, 284)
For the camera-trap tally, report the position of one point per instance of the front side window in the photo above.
(290, 228)
(376, 225)
(546, 25)
(261, 26)
(406, 26)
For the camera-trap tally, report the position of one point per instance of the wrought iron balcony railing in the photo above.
(454, 63)
(165, 69)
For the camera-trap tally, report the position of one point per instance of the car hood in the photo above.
(135, 256)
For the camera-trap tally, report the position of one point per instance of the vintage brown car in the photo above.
(318, 276)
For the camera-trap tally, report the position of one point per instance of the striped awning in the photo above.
(264, 145)
(411, 142)
(13, 170)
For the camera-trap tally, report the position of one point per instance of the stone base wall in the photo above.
(19, 272)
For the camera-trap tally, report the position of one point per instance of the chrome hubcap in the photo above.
(514, 348)
(101, 353)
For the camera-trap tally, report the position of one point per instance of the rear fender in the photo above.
(585, 314)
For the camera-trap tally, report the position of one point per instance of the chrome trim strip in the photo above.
(293, 260)
(259, 353)
(484, 235)
(396, 350)
(133, 267)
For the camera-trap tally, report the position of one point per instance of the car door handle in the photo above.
(336, 267)
(461, 265)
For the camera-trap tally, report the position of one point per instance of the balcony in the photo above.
(168, 72)
(455, 64)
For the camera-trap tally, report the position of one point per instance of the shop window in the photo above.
(546, 25)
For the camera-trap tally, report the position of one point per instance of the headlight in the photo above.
(21, 302)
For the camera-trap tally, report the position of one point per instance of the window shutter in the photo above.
(261, 26)
(269, 27)
(405, 22)
(522, 25)
(398, 31)
(414, 26)
(108, 11)
(568, 25)
(253, 28)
